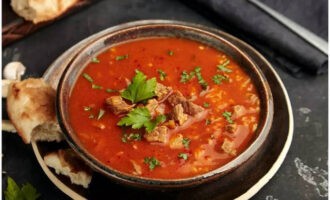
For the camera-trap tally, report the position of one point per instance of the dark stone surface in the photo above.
(310, 142)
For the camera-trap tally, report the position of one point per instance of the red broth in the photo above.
(213, 141)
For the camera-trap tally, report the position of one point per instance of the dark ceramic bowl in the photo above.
(161, 28)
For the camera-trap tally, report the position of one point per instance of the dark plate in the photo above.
(242, 183)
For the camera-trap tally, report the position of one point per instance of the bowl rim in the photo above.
(157, 182)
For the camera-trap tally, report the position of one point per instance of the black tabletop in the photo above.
(303, 174)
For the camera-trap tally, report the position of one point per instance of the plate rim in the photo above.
(70, 53)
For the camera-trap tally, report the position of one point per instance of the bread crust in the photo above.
(68, 163)
(30, 103)
(41, 10)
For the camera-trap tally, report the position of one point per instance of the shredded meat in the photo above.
(162, 91)
(178, 114)
(158, 135)
(118, 105)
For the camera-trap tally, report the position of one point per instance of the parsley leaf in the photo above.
(95, 60)
(123, 57)
(88, 77)
(131, 137)
(152, 162)
(222, 67)
(183, 156)
(108, 90)
(97, 87)
(227, 116)
(170, 53)
(13, 191)
(186, 142)
(140, 89)
(185, 77)
(162, 74)
(136, 118)
(29, 192)
(151, 125)
(200, 78)
(140, 117)
(217, 79)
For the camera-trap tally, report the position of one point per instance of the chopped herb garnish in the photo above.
(227, 115)
(140, 89)
(186, 142)
(162, 74)
(152, 162)
(140, 117)
(124, 138)
(95, 60)
(100, 115)
(200, 78)
(87, 108)
(87, 77)
(14, 192)
(170, 53)
(208, 121)
(110, 90)
(217, 79)
(183, 156)
(96, 87)
(185, 77)
(132, 136)
(222, 67)
(123, 57)
(206, 105)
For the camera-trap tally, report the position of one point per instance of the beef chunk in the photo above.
(176, 98)
(162, 91)
(192, 109)
(118, 105)
(188, 107)
(155, 108)
(178, 114)
(158, 135)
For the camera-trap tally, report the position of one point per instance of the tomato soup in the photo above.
(164, 108)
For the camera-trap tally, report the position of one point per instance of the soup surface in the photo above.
(164, 108)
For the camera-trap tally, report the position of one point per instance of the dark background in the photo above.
(309, 95)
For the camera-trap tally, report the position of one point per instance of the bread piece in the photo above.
(67, 163)
(31, 104)
(48, 131)
(41, 10)
(8, 126)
